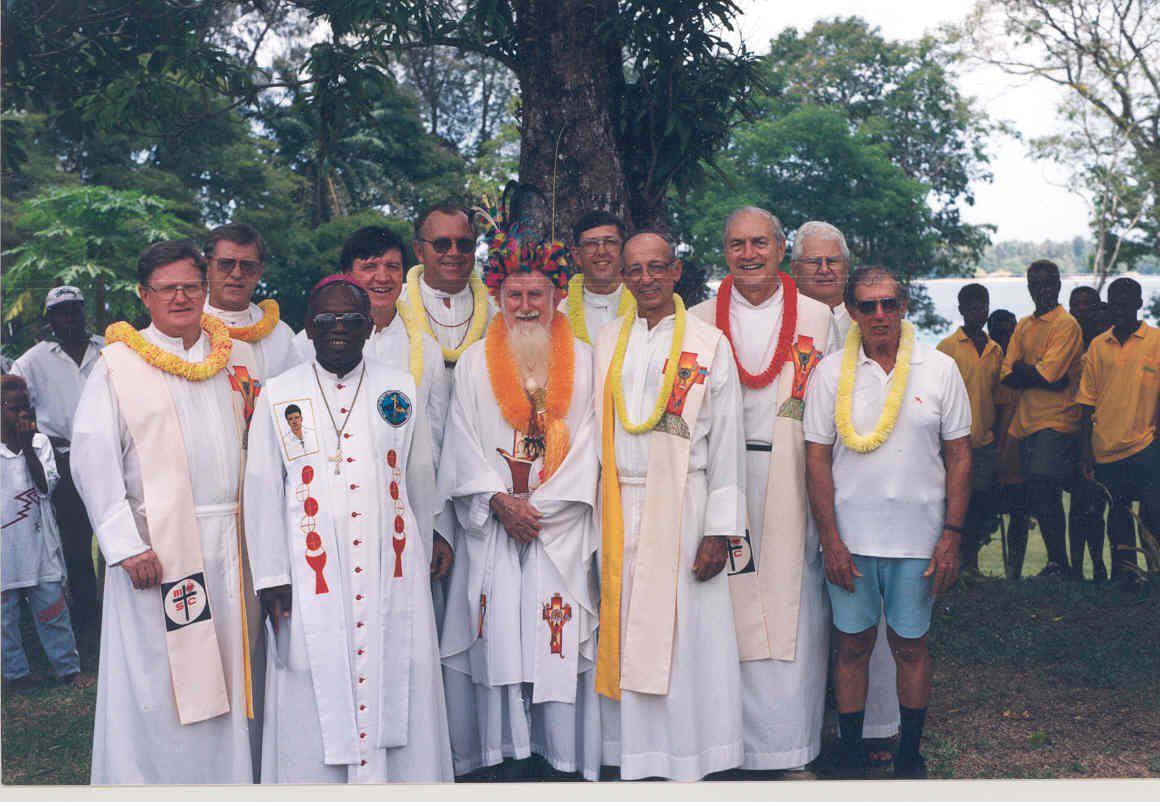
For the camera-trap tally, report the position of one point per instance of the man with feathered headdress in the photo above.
(519, 465)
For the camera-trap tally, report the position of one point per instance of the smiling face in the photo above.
(382, 277)
(174, 296)
(452, 268)
(234, 273)
(598, 253)
(820, 270)
(338, 342)
(650, 273)
(753, 252)
(880, 328)
(528, 298)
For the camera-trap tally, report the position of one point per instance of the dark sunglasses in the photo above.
(443, 244)
(889, 306)
(328, 320)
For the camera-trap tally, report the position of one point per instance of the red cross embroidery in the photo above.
(556, 613)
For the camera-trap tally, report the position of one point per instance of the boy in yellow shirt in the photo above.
(1120, 398)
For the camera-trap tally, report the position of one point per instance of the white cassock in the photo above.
(695, 729)
(391, 345)
(275, 352)
(354, 691)
(137, 738)
(514, 685)
(449, 314)
(783, 701)
(599, 310)
(882, 714)
(55, 382)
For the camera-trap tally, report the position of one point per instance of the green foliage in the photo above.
(87, 236)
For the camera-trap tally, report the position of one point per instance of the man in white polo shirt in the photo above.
(55, 371)
(889, 507)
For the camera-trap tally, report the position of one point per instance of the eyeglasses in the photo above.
(325, 321)
(249, 266)
(167, 292)
(818, 261)
(443, 244)
(889, 306)
(591, 246)
(654, 269)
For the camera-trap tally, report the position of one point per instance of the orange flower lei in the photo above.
(260, 330)
(219, 354)
(513, 400)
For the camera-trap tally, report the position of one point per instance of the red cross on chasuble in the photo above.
(557, 613)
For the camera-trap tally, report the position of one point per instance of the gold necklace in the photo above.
(338, 430)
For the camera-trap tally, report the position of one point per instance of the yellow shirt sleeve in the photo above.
(1064, 345)
(1090, 380)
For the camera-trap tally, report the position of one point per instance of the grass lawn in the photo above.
(1041, 678)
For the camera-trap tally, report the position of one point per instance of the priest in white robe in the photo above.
(672, 495)
(157, 450)
(340, 542)
(443, 293)
(236, 255)
(775, 571)
(520, 468)
(596, 295)
(820, 261)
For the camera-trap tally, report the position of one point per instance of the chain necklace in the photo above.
(338, 430)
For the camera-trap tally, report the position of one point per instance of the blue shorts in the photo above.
(897, 581)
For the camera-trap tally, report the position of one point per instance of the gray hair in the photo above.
(822, 230)
(774, 223)
(872, 275)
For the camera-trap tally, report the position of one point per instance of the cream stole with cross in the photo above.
(195, 660)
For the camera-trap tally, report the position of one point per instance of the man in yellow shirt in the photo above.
(979, 360)
(1119, 395)
(1042, 351)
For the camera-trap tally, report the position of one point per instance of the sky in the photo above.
(1025, 199)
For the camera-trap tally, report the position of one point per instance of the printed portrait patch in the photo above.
(395, 407)
(296, 428)
(185, 601)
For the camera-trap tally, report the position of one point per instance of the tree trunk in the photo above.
(569, 102)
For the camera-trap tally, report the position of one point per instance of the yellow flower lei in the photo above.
(415, 340)
(219, 353)
(864, 444)
(260, 330)
(575, 303)
(617, 367)
(478, 312)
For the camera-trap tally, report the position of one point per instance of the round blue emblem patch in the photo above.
(395, 407)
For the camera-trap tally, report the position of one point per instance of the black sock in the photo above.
(850, 729)
(913, 719)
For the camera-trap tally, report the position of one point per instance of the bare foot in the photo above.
(79, 681)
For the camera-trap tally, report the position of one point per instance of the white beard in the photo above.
(531, 347)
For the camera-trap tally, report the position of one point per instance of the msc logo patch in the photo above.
(185, 601)
(394, 407)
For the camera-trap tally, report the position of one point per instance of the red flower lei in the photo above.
(784, 337)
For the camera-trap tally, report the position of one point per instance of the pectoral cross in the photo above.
(337, 460)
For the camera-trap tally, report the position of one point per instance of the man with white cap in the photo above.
(56, 370)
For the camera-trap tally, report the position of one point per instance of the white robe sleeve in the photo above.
(725, 507)
(264, 502)
(100, 446)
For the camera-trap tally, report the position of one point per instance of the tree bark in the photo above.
(571, 87)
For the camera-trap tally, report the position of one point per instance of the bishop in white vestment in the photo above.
(340, 543)
(157, 458)
(518, 644)
(668, 660)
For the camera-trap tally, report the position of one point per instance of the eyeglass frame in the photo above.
(653, 271)
(353, 319)
(890, 305)
(249, 267)
(819, 261)
(169, 292)
(593, 245)
(456, 241)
